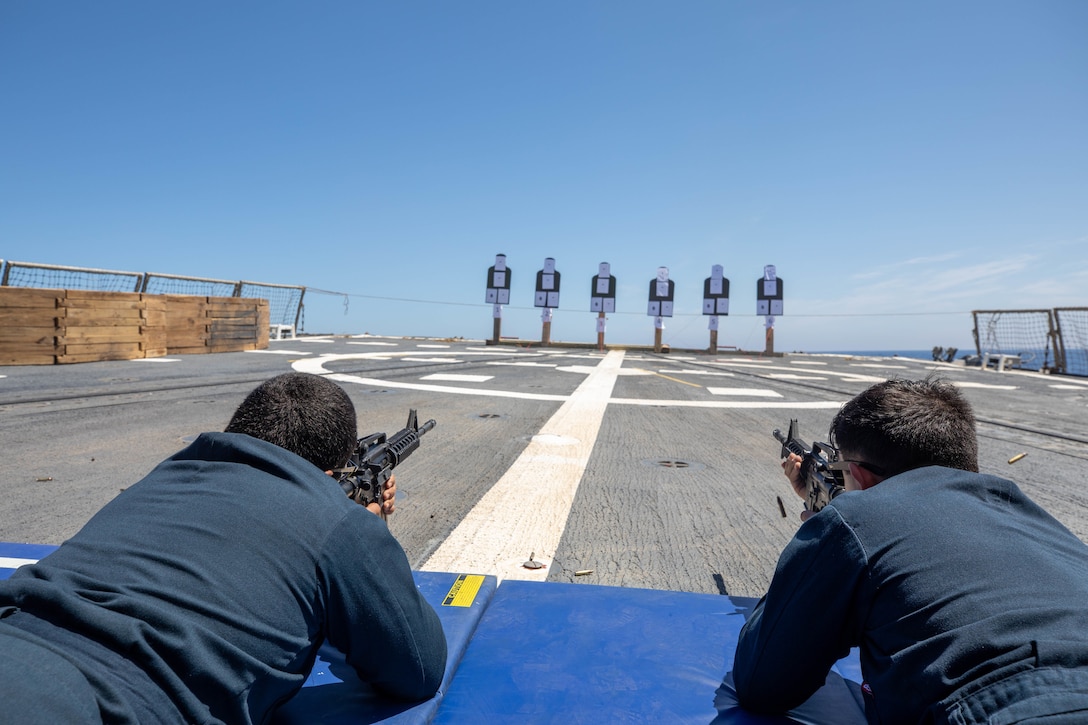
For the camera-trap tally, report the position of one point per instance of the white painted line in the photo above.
(751, 366)
(526, 511)
(1056, 387)
(794, 405)
(791, 376)
(157, 359)
(429, 360)
(343, 378)
(437, 347)
(806, 362)
(524, 364)
(281, 352)
(595, 356)
(10, 562)
(586, 370)
(375, 344)
(458, 378)
(853, 377)
(316, 365)
(555, 440)
(753, 392)
(697, 372)
(877, 365)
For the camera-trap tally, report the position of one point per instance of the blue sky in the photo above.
(900, 163)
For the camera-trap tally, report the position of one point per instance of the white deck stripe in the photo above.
(787, 405)
(453, 378)
(526, 511)
(754, 392)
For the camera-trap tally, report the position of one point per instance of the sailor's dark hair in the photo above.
(305, 414)
(900, 425)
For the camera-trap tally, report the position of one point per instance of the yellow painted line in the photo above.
(676, 380)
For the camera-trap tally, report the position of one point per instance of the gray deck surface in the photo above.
(680, 490)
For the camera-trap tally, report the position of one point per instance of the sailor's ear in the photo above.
(864, 477)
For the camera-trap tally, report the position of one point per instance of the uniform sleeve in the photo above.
(807, 621)
(375, 613)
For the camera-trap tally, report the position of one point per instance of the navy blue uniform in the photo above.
(965, 597)
(217, 577)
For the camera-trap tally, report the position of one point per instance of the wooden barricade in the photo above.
(215, 324)
(186, 324)
(28, 325)
(45, 327)
(109, 326)
(234, 322)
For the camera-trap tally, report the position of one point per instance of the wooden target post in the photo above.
(602, 299)
(547, 297)
(769, 302)
(715, 302)
(498, 294)
(662, 290)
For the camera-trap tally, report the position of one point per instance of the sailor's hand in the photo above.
(791, 466)
(389, 496)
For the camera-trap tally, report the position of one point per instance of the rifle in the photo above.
(370, 466)
(821, 483)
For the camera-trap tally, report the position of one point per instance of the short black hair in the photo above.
(306, 414)
(900, 425)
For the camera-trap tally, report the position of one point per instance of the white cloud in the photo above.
(930, 284)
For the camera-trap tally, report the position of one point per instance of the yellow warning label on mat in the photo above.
(463, 592)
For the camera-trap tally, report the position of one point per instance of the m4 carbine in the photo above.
(370, 466)
(821, 483)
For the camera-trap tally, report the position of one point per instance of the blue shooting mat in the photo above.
(13, 555)
(563, 653)
(571, 653)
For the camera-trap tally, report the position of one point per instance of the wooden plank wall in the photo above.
(186, 326)
(215, 324)
(28, 325)
(45, 327)
(109, 326)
